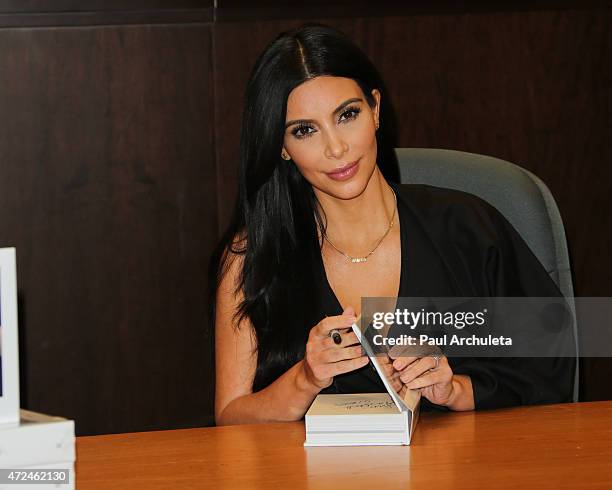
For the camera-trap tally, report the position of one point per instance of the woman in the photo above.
(320, 223)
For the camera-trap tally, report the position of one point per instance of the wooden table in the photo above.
(552, 446)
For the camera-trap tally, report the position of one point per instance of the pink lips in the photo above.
(345, 172)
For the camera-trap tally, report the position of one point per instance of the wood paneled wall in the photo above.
(107, 189)
(119, 155)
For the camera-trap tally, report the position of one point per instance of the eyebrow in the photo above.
(336, 111)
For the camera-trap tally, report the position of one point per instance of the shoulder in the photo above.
(454, 206)
(468, 230)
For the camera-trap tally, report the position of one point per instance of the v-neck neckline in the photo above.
(403, 257)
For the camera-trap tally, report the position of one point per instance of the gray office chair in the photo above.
(518, 194)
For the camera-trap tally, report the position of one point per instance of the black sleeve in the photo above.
(506, 267)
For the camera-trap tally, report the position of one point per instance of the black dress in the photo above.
(455, 244)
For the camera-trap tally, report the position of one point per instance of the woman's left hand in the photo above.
(434, 379)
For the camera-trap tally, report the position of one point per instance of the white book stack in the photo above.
(363, 419)
(358, 420)
(38, 442)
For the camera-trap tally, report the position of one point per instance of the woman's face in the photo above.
(330, 135)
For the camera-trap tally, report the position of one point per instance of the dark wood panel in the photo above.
(39, 6)
(532, 88)
(246, 11)
(108, 192)
(529, 87)
(102, 18)
(41, 13)
(417, 5)
(350, 8)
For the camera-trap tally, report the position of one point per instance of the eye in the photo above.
(350, 113)
(300, 131)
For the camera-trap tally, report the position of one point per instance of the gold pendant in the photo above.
(356, 260)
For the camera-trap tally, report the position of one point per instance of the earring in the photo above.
(377, 124)
(285, 156)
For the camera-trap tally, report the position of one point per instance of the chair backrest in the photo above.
(519, 195)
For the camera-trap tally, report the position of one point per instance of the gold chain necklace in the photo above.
(356, 260)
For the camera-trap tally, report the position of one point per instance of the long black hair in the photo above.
(275, 221)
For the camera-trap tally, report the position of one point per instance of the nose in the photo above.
(335, 146)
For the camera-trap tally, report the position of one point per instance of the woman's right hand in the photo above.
(324, 359)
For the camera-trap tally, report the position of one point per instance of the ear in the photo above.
(285, 155)
(376, 109)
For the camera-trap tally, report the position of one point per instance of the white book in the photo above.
(362, 419)
(36, 441)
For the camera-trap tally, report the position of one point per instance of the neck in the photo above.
(356, 225)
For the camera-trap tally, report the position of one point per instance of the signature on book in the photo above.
(364, 404)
